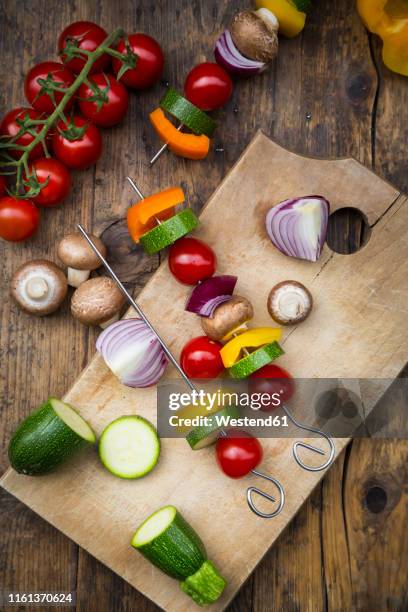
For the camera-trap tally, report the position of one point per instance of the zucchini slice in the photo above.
(256, 360)
(169, 231)
(187, 113)
(47, 437)
(129, 447)
(205, 435)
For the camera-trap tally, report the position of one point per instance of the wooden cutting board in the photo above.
(357, 329)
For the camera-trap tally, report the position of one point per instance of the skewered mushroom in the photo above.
(255, 34)
(289, 302)
(98, 301)
(227, 317)
(75, 252)
(39, 287)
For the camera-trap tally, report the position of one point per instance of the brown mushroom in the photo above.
(255, 34)
(75, 252)
(39, 287)
(289, 302)
(227, 317)
(98, 301)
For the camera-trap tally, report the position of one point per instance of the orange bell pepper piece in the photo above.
(185, 145)
(141, 217)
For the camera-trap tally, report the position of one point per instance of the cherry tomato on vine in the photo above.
(57, 178)
(17, 122)
(78, 145)
(37, 86)
(271, 380)
(18, 219)
(208, 86)
(3, 185)
(238, 453)
(200, 358)
(149, 65)
(106, 103)
(84, 35)
(191, 260)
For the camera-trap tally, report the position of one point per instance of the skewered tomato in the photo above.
(38, 86)
(57, 178)
(238, 453)
(104, 101)
(78, 144)
(200, 358)
(208, 86)
(272, 380)
(149, 65)
(18, 219)
(3, 185)
(87, 36)
(17, 122)
(191, 260)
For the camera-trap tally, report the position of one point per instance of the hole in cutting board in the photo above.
(348, 230)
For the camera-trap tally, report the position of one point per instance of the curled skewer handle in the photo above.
(252, 490)
(296, 445)
(162, 150)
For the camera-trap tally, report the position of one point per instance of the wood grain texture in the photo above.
(328, 95)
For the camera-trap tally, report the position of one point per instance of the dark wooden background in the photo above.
(327, 95)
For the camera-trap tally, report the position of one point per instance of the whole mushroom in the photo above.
(227, 317)
(255, 34)
(289, 302)
(75, 252)
(98, 301)
(39, 287)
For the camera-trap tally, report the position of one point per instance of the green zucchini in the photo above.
(256, 360)
(304, 6)
(169, 231)
(203, 436)
(189, 115)
(205, 586)
(129, 447)
(47, 437)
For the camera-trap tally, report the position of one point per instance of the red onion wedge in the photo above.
(227, 56)
(298, 227)
(209, 294)
(133, 353)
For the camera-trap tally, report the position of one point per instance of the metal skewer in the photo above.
(163, 148)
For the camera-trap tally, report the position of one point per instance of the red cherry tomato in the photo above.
(3, 185)
(191, 260)
(37, 93)
(18, 219)
(80, 152)
(272, 379)
(208, 86)
(112, 104)
(238, 453)
(13, 124)
(59, 181)
(149, 65)
(87, 36)
(200, 358)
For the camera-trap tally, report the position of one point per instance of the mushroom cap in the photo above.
(39, 287)
(227, 316)
(289, 302)
(75, 252)
(96, 301)
(254, 35)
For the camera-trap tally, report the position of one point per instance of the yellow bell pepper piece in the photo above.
(388, 19)
(253, 338)
(291, 21)
(203, 409)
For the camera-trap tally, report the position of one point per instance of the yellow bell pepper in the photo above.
(388, 19)
(253, 338)
(291, 21)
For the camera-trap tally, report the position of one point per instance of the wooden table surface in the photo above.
(327, 95)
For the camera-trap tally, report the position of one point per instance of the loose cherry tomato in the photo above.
(17, 122)
(87, 36)
(208, 86)
(78, 144)
(191, 260)
(39, 94)
(200, 358)
(106, 103)
(238, 453)
(3, 185)
(57, 177)
(18, 219)
(149, 65)
(272, 379)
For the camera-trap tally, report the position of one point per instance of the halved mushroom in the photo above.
(39, 287)
(98, 301)
(289, 302)
(75, 252)
(255, 34)
(228, 317)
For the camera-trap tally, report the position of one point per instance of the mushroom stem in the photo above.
(36, 288)
(77, 277)
(109, 321)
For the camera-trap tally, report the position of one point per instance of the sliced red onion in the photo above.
(298, 227)
(133, 353)
(209, 294)
(227, 55)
